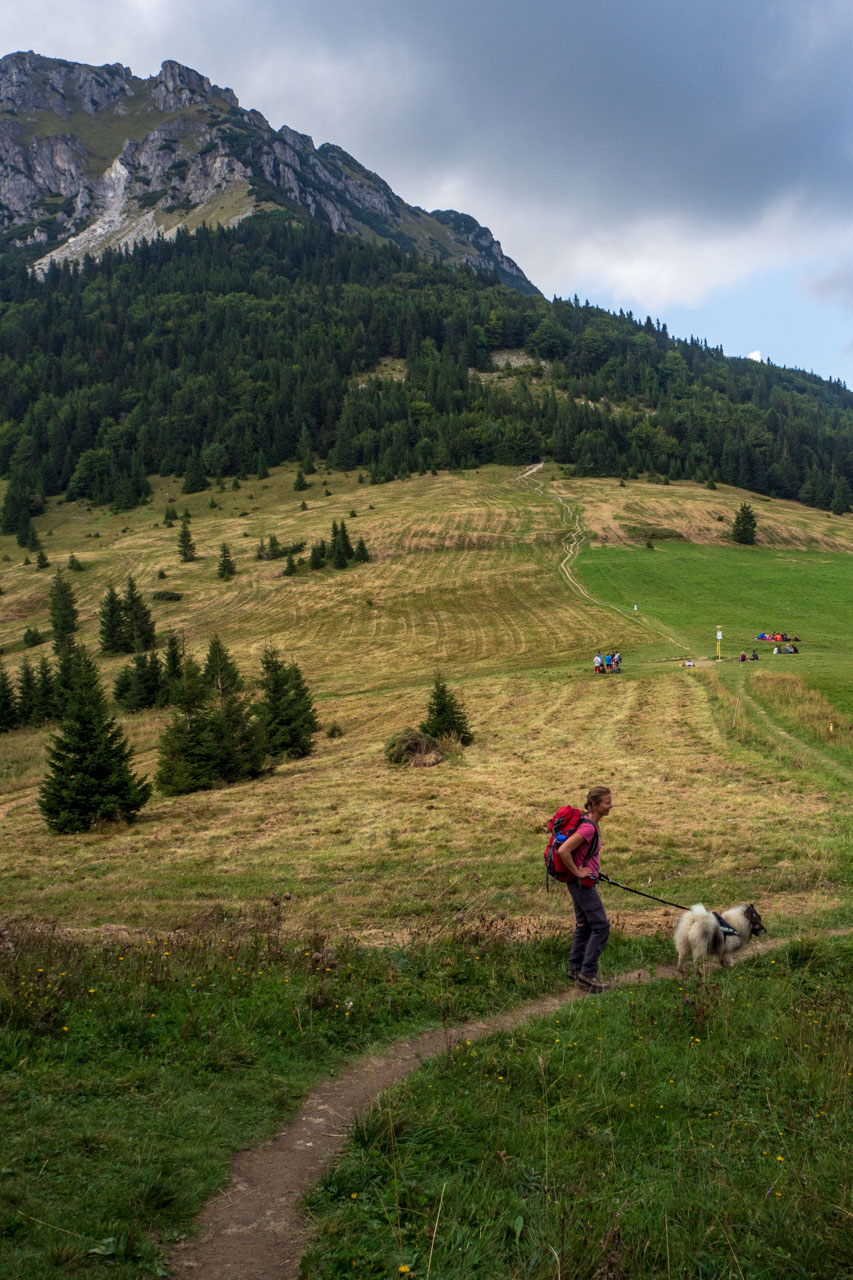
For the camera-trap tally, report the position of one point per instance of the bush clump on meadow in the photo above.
(412, 746)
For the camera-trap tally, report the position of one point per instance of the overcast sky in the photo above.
(691, 161)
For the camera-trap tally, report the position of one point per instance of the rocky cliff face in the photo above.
(94, 156)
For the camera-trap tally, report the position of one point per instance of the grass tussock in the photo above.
(697, 1129)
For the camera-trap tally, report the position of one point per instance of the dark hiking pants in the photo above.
(592, 929)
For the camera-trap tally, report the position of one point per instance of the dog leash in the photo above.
(628, 889)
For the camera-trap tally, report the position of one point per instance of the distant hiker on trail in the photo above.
(596, 664)
(742, 657)
(753, 656)
(608, 662)
(617, 661)
(581, 854)
(635, 608)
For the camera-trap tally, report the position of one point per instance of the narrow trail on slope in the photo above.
(255, 1228)
(571, 547)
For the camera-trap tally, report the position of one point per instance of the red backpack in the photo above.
(565, 823)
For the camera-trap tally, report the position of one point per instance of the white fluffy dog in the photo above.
(700, 933)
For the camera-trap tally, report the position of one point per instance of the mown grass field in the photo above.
(465, 577)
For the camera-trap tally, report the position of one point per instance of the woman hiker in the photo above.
(581, 854)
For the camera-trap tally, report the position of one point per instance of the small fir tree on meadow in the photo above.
(300, 482)
(446, 714)
(289, 565)
(112, 629)
(74, 564)
(345, 540)
(45, 705)
(139, 625)
(226, 567)
(63, 611)
(186, 546)
(173, 665)
(8, 702)
(360, 555)
(285, 710)
(745, 523)
(137, 686)
(32, 638)
(89, 777)
(317, 558)
(209, 741)
(26, 692)
(170, 516)
(339, 555)
(220, 670)
(42, 561)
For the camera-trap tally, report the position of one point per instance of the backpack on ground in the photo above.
(565, 823)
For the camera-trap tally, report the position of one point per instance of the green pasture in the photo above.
(689, 590)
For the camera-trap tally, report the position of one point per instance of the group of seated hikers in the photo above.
(777, 637)
(753, 657)
(601, 665)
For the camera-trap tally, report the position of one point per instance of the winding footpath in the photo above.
(255, 1228)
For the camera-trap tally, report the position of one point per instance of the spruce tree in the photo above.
(360, 555)
(743, 529)
(173, 666)
(345, 541)
(112, 630)
(300, 482)
(211, 739)
(26, 693)
(63, 611)
(285, 710)
(139, 627)
(89, 777)
(261, 466)
(289, 566)
(227, 568)
(220, 670)
(42, 561)
(446, 714)
(8, 702)
(317, 559)
(186, 546)
(45, 701)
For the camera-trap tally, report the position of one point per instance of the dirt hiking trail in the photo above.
(255, 1228)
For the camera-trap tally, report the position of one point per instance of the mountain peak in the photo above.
(96, 157)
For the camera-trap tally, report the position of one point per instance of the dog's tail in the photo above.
(699, 909)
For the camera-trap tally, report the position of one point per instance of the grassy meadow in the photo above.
(177, 953)
(465, 576)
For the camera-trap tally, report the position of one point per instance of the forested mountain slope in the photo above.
(232, 349)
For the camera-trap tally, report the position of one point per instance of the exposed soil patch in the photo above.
(254, 1229)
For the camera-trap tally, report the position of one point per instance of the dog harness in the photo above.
(727, 929)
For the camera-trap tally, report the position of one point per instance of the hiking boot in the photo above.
(573, 975)
(593, 985)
